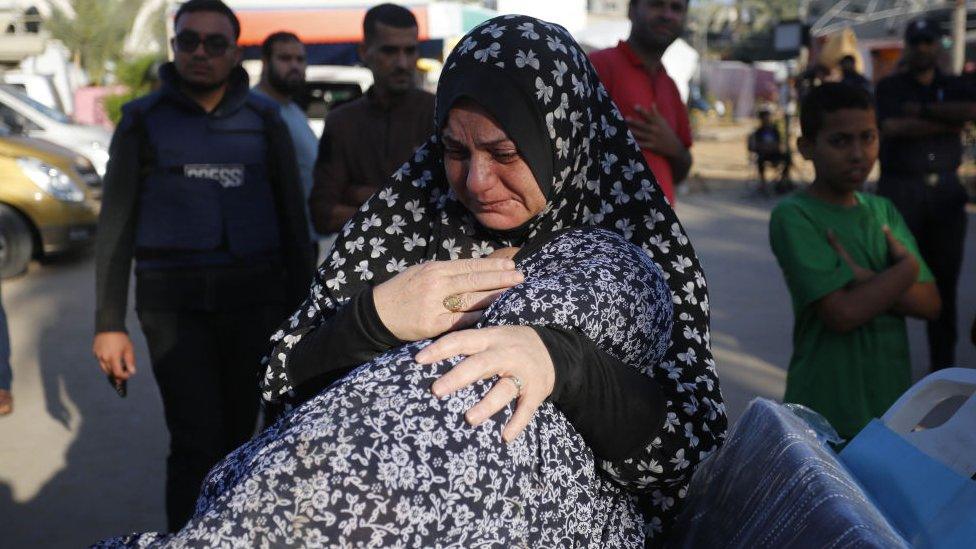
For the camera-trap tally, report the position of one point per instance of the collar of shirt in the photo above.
(631, 56)
(395, 103)
(257, 89)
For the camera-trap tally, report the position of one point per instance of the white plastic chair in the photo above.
(954, 442)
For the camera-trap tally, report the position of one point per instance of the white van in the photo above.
(24, 115)
(39, 87)
(328, 86)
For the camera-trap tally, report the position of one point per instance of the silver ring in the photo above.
(517, 382)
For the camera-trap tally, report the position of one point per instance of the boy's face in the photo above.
(844, 150)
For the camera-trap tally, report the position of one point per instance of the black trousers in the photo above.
(770, 159)
(935, 210)
(207, 366)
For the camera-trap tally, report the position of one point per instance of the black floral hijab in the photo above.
(592, 173)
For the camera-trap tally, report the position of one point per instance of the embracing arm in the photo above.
(639, 408)
(691, 424)
(615, 409)
(324, 338)
(353, 336)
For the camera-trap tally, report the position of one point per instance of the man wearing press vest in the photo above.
(203, 192)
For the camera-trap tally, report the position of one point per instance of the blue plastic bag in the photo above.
(930, 505)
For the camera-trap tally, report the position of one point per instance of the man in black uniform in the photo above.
(920, 113)
(202, 189)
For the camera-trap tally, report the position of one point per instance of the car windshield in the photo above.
(37, 106)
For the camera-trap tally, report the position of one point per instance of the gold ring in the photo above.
(518, 384)
(453, 303)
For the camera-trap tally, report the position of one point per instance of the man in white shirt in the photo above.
(282, 78)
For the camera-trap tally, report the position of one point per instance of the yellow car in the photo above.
(48, 201)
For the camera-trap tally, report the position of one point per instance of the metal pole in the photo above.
(958, 36)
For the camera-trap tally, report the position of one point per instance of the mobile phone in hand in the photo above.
(120, 385)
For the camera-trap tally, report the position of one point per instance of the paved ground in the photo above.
(78, 463)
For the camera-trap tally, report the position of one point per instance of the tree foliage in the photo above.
(96, 33)
(136, 75)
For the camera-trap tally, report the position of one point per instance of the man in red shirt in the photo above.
(647, 97)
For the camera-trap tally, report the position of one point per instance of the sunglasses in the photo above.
(214, 45)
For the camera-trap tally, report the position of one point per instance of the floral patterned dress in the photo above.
(377, 460)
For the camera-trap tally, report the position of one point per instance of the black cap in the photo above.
(922, 30)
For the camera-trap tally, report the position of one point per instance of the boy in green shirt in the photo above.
(852, 267)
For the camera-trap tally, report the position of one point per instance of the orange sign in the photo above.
(313, 26)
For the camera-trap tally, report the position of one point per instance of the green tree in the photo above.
(96, 33)
(137, 76)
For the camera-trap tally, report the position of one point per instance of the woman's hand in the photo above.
(411, 304)
(509, 352)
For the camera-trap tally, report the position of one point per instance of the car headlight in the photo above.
(51, 180)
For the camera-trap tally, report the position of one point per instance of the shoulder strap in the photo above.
(134, 116)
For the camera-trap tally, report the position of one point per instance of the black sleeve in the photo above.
(353, 336)
(115, 240)
(960, 89)
(616, 410)
(296, 245)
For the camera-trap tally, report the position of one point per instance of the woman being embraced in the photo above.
(574, 391)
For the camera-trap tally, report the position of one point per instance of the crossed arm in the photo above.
(894, 289)
(929, 119)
